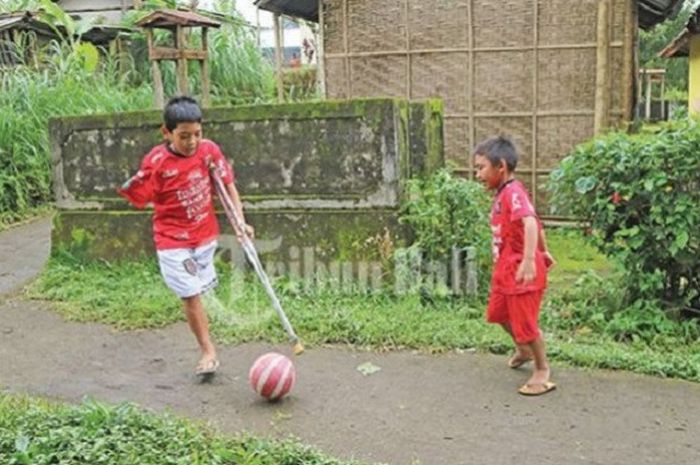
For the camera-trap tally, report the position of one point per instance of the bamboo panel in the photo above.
(376, 25)
(457, 149)
(518, 129)
(434, 25)
(558, 135)
(542, 196)
(336, 86)
(502, 23)
(566, 80)
(379, 76)
(567, 21)
(618, 20)
(333, 27)
(617, 79)
(503, 81)
(441, 75)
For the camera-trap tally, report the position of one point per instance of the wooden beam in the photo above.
(320, 52)
(204, 67)
(164, 53)
(158, 94)
(279, 43)
(180, 43)
(628, 61)
(602, 82)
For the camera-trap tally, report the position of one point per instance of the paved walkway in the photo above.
(418, 409)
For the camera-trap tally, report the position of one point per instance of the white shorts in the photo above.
(189, 272)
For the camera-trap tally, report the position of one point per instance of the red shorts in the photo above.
(521, 311)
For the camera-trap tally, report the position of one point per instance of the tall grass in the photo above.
(237, 70)
(29, 97)
(67, 83)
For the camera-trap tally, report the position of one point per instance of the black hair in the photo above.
(181, 109)
(497, 149)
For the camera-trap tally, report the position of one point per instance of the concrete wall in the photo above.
(323, 179)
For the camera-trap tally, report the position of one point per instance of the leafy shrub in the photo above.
(445, 212)
(640, 195)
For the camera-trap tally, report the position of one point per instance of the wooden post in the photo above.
(602, 81)
(158, 94)
(647, 110)
(320, 52)
(205, 69)
(663, 99)
(181, 44)
(257, 25)
(279, 43)
(628, 74)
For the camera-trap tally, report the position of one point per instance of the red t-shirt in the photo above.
(180, 189)
(511, 205)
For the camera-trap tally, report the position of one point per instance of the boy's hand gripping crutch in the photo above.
(252, 254)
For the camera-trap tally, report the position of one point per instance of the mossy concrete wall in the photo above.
(327, 175)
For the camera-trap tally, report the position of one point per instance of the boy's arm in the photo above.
(542, 244)
(526, 270)
(238, 205)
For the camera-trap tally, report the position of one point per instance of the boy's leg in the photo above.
(523, 352)
(541, 372)
(525, 313)
(189, 273)
(497, 312)
(199, 324)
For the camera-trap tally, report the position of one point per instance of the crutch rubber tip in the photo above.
(298, 348)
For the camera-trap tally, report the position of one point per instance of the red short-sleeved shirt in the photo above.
(180, 189)
(511, 205)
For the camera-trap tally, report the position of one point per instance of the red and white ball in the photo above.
(272, 376)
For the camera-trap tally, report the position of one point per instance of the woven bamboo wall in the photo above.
(525, 68)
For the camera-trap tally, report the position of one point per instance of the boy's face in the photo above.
(492, 176)
(185, 137)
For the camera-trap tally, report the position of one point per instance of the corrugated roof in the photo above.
(651, 12)
(29, 20)
(679, 46)
(304, 9)
(7, 21)
(170, 18)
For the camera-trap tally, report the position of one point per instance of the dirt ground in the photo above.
(418, 409)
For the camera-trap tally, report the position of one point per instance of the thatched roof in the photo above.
(651, 12)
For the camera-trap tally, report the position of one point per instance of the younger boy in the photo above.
(521, 261)
(174, 178)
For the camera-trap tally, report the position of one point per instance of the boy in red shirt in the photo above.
(521, 261)
(174, 179)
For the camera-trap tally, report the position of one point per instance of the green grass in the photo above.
(38, 432)
(574, 257)
(581, 318)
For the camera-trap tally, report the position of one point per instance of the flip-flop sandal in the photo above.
(527, 389)
(207, 369)
(516, 362)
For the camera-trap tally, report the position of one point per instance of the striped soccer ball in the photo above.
(272, 376)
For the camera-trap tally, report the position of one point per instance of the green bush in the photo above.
(640, 196)
(445, 212)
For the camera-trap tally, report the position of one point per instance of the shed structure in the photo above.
(549, 73)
